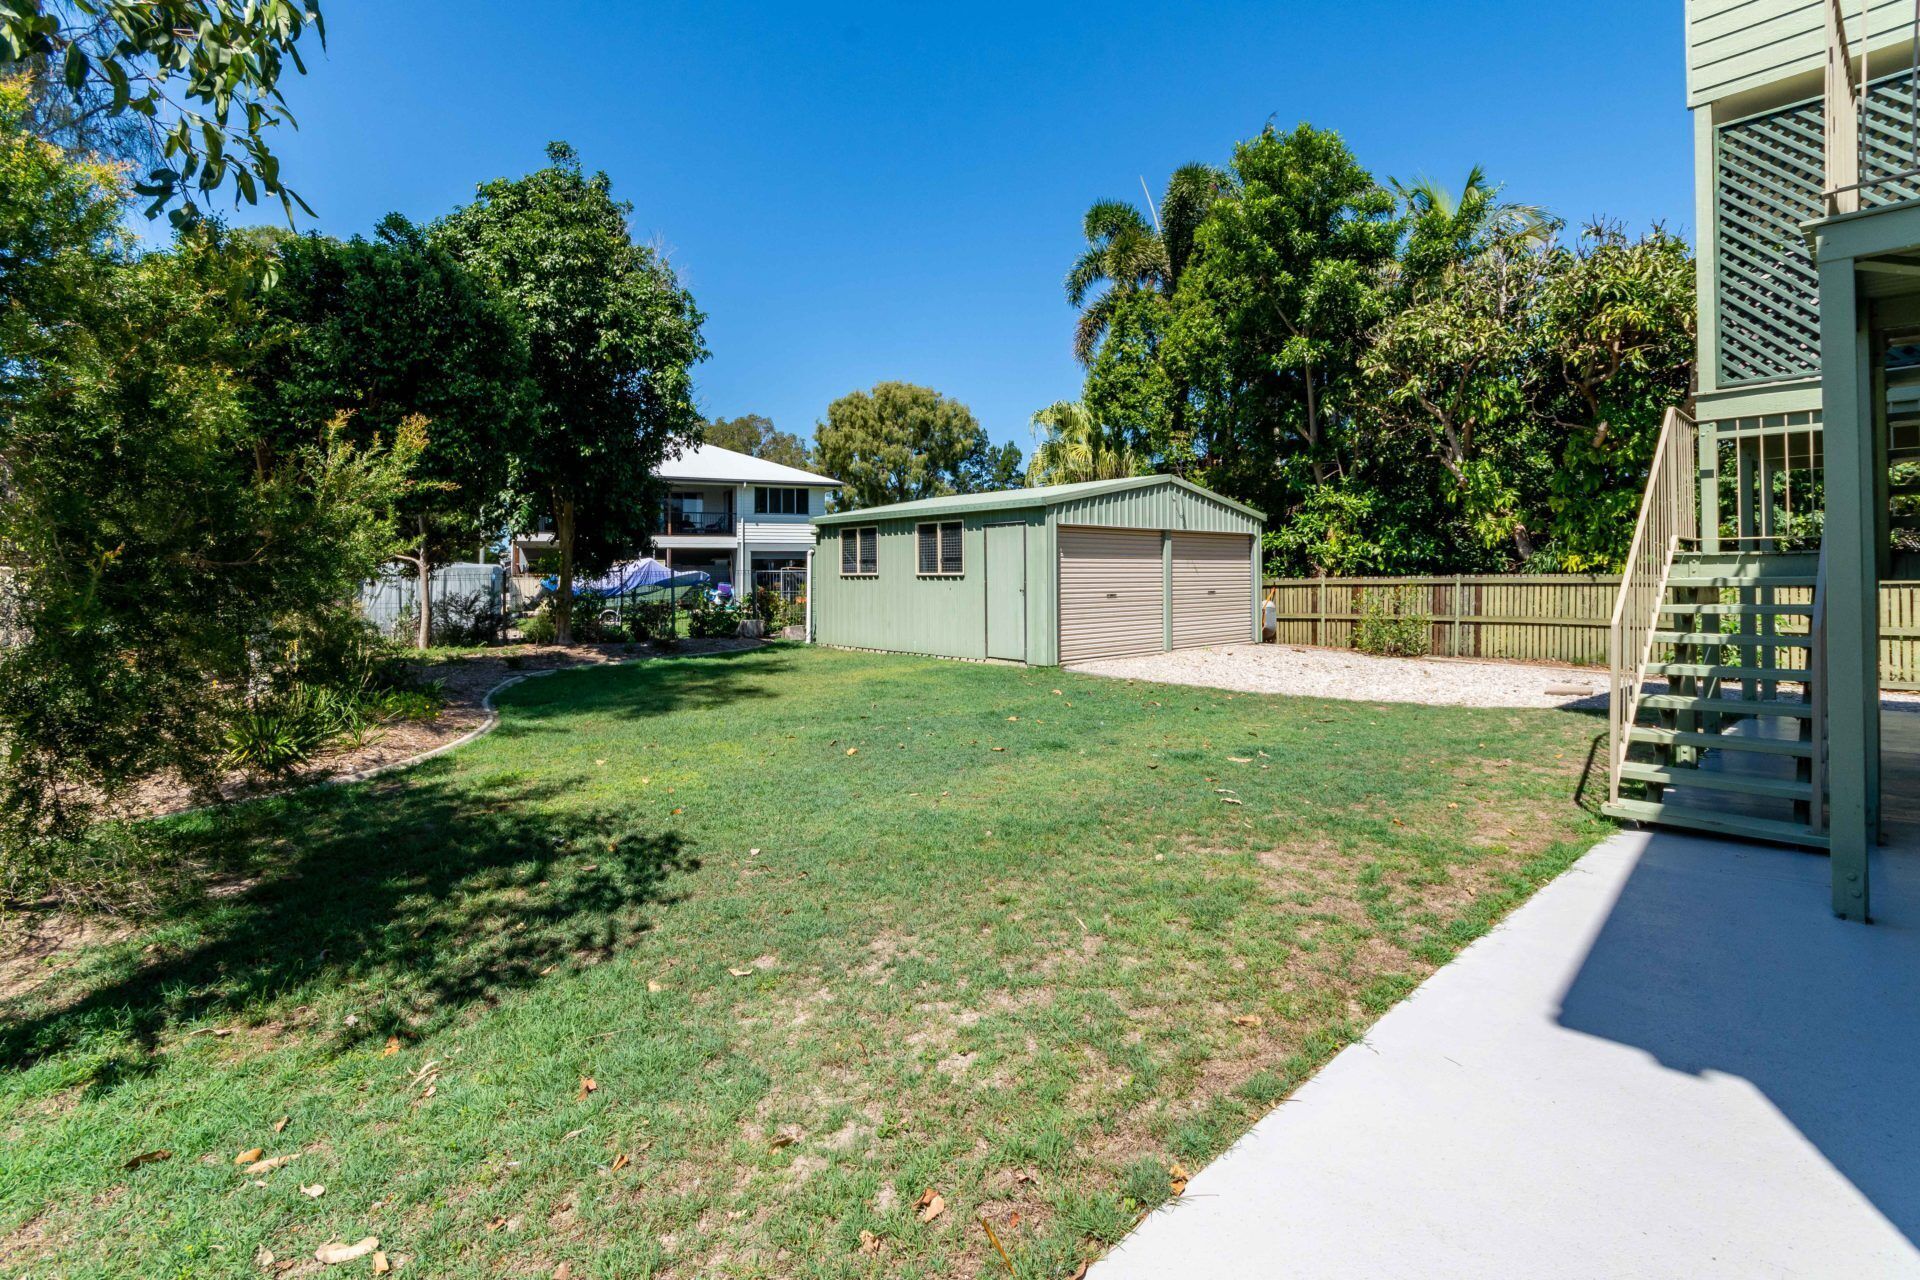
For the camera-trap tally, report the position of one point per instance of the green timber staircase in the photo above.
(1734, 743)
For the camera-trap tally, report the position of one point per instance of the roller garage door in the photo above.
(1112, 593)
(1212, 589)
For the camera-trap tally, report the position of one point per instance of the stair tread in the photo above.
(1739, 609)
(1709, 670)
(1660, 736)
(1725, 706)
(1738, 580)
(1716, 780)
(1744, 639)
(1677, 815)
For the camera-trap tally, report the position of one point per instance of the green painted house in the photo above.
(1779, 505)
(1058, 574)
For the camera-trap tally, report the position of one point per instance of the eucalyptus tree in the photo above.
(755, 435)
(612, 339)
(199, 80)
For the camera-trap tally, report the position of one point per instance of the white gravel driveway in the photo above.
(1359, 677)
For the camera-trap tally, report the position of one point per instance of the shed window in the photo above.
(939, 549)
(860, 552)
(779, 502)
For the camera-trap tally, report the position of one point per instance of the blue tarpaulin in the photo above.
(631, 576)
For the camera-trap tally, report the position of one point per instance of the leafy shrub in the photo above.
(651, 620)
(539, 628)
(281, 731)
(473, 617)
(776, 610)
(1394, 623)
(712, 618)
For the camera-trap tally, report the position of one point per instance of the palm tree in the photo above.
(1445, 226)
(1075, 448)
(1130, 252)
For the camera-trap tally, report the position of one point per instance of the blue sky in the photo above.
(864, 193)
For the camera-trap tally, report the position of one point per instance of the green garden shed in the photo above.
(1058, 574)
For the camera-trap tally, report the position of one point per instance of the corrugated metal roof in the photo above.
(726, 466)
(1014, 499)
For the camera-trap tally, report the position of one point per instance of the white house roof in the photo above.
(724, 466)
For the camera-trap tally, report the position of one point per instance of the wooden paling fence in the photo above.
(1548, 617)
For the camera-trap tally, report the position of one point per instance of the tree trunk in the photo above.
(1522, 542)
(1313, 429)
(563, 600)
(423, 626)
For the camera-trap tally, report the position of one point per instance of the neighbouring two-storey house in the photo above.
(737, 518)
(1778, 507)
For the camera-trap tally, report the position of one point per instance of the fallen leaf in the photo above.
(932, 1205)
(620, 1162)
(1247, 1020)
(784, 1140)
(1240, 759)
(497, 1223)
(148, 1157)
(1012, 718)
(571, 1134)
(654, 986)
(741, 973)
(563, 1272)
(1014, 1221)
(1079, 1272)
(270, 1164)
(1177, 1178)
(1056, 693)
(249, 1155)
(380, 1264)
(587, 1085)
(281, 1123)
(314, 1192)
(263, 1257)
(869, 1242)
(999, 748)
(393, 1047)
(335, 1253)
(351, 1020)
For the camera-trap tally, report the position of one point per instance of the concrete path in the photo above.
(1672, 1062)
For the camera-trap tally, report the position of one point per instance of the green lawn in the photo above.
(824, 930)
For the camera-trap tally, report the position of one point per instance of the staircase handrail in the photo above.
(1669, 517)
(1817, 695)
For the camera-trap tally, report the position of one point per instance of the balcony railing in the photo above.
(1872, 124)
(698, 523)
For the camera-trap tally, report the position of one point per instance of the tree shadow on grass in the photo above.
(403, 903)
(641, 690)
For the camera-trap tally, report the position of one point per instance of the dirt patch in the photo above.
(31, 944)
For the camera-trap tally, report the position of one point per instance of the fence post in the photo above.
(1320, 611)
(1457, 611)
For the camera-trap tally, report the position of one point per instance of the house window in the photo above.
(779, 502)
(860, 552)
(939, 549)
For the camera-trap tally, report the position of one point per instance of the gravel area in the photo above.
(1359, 677)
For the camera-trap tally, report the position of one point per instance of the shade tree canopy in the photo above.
(612, 339)
(900, 442)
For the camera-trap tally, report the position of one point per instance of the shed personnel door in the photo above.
(1112, 593)
(1007, 591)
(1212, 589)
